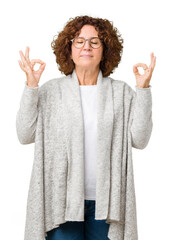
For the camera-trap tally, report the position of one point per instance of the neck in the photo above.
(87, 76)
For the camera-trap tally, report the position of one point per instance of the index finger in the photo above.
(37, 61)
(143, 65)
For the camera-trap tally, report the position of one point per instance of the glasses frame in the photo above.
(89, 40)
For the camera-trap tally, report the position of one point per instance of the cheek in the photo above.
(76, 53)
(100, 54)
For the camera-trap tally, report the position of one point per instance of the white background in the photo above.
(145, 27)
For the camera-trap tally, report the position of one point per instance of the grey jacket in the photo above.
(51, 117)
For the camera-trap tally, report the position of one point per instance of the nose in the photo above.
(87, 45)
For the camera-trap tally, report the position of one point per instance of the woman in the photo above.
(84, 188)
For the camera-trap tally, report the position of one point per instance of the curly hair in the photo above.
(112, 43)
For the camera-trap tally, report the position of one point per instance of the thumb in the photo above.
(135, 70)
(42, 67)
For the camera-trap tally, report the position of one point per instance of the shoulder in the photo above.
(52, 84)
(120, 85)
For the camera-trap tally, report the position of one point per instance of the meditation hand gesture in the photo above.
(143, 81)
(26, 65)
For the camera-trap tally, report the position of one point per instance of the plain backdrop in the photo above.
(145, 27)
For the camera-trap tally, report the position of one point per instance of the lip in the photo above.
(86, 55)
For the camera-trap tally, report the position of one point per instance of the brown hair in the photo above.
(112, 44)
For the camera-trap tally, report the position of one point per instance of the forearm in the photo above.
(142, 124)
(27, 115)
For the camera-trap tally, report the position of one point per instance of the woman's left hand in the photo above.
(143, 81)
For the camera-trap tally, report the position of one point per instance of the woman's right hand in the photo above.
(26, 65)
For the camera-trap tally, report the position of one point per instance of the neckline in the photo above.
(88, 85)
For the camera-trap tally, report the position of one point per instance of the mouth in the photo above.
(86, 56)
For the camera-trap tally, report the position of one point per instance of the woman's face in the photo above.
(95, 55)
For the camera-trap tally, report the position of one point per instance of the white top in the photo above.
(89, 101)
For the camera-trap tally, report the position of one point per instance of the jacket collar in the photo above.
(74, 135)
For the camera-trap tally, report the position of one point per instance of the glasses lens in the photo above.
(79, 42)
(95, 42)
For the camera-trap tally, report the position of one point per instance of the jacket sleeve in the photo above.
(26, 118)
(142, 124)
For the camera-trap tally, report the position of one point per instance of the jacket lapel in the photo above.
(74, 135)
(104, 137)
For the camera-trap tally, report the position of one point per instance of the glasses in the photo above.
(94, 42)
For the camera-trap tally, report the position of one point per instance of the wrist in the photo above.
(143, 86)
(32, 86)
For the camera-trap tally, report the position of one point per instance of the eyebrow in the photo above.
(90, 37)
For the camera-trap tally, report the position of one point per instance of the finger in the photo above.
(135, 70)
(27, 54)
(32, 64)
(34, 61)
(37, 61)
(153, 61)
(21, 65)
(23, 58)
(143, 65)
(152, 57)
(41, 68)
